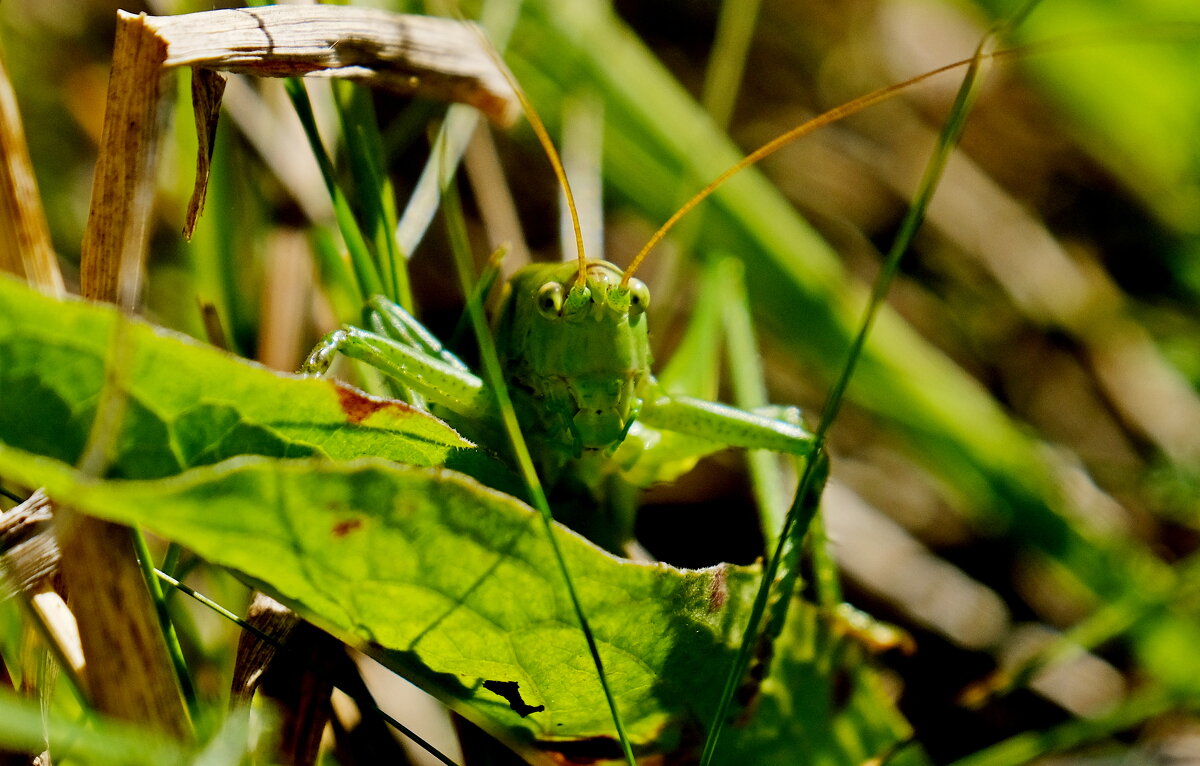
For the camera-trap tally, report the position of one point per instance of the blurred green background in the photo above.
(1021, 457)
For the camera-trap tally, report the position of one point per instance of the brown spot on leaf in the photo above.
(509, 691)
(579, 752)
(718, 589)
(359, 406)
(343, 528)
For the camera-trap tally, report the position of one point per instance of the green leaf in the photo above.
(454, 585)
(187, 404)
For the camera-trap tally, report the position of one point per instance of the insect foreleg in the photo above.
(392, 321)
(436, 380)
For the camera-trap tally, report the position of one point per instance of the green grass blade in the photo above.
(809, 480)
(365, 267)
(799, 516)
(493, 374)
(375, 196)
(488, 278)
(694, 368)
(723, 76)
(499, 18)
(170, 636)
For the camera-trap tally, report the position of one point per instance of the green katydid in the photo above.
(573, 340)
(576, 353)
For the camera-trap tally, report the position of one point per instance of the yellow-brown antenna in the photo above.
(772, 146)
(543, 137)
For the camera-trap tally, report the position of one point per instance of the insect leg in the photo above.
(393, 321)
(438, 381)
(775, 429)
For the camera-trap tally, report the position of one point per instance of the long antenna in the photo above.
(543, 137)
(547, 145)
(774, 145)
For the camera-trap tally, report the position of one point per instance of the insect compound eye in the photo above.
(639, 296)
(550, 300)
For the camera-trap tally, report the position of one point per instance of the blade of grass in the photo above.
(365, 267)
(174, 650)
(494, 376)
(482, 289)
(723, 77)
(722, 83)
(376, 199)
(950, 134)
(750, 392)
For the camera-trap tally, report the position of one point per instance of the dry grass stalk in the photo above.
(129, 674)
(423, 56)
(25, 248)
(28, 565)
(114, 241)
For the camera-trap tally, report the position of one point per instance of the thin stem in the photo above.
(804, 503)
(170, 636)
(187, 590)
(375, 196)
(460, 246)
(803, 509)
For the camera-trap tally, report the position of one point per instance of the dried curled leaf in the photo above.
(432, 57)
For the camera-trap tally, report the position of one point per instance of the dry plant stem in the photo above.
(273, 624)
(25, 248)
(129, 673)
(114, 242)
